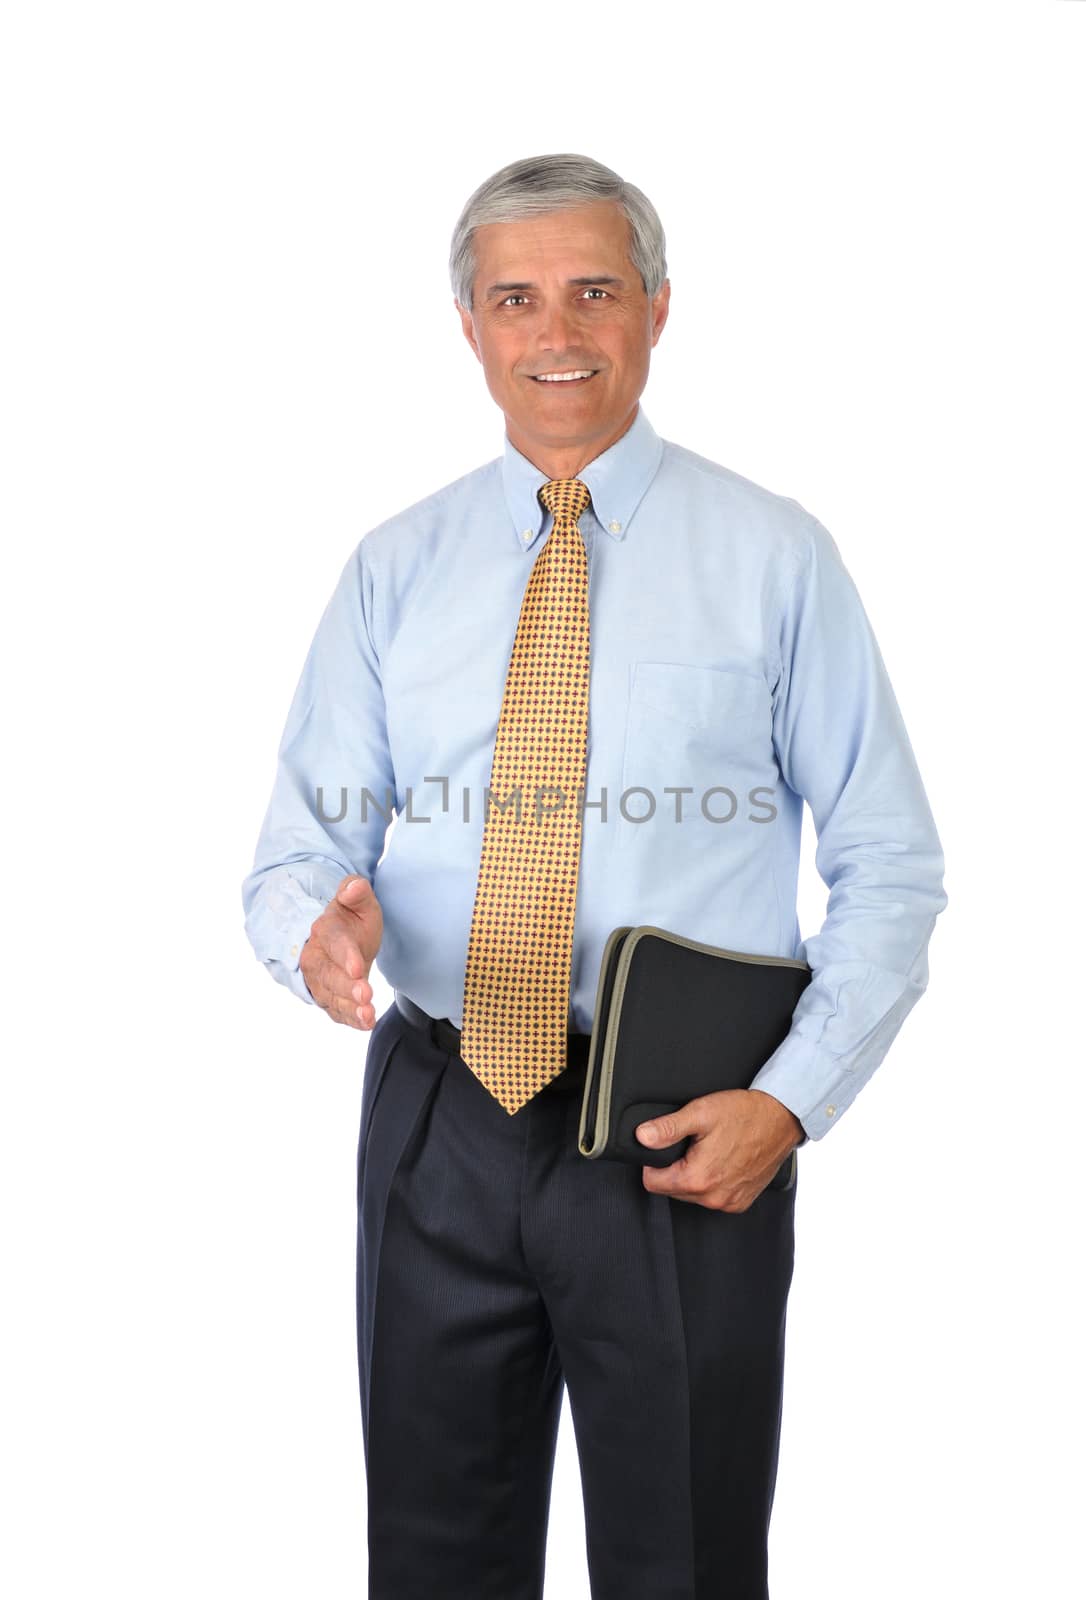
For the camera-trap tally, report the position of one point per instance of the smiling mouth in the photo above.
(571, 379)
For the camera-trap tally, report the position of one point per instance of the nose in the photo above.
(555, 328)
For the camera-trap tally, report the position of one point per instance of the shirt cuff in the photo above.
(812, 1085)
(290, 916)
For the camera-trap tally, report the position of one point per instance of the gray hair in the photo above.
(541, 184)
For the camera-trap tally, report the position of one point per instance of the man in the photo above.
(601, 611)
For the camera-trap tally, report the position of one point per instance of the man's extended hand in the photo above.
(337, 956)
(741, 1136)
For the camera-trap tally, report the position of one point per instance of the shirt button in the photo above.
(526, 535)
(294, 949)
(830, 1110)
(615, 527)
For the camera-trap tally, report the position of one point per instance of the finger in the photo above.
(344, 1011)
(335, 1006)
(659, 1132)
(349, 1000)
(364, 1009)
(674, 1179)
(330, 977)
(341, 945)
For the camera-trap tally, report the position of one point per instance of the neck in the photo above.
(566, 460)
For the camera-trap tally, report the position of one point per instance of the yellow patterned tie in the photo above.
(516, 985)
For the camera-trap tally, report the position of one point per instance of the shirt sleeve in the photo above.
(841, 744)
(321, 824)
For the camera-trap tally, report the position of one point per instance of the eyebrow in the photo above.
(510, 288)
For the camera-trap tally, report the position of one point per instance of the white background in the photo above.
(229, 349)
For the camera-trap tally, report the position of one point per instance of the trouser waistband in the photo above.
(446, 1036)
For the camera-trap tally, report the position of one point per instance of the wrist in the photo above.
(783, 1115)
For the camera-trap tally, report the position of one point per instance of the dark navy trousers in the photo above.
(498, 1266)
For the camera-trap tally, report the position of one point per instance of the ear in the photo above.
(468, 325)
(660, 303)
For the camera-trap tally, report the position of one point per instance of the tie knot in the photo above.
(565, 497)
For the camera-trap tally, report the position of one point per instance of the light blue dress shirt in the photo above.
(734, 675)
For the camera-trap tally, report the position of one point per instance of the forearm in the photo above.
(843, 746)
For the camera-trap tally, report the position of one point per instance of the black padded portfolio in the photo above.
(675, 1019)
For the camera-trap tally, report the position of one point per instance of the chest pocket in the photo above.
(689, 726)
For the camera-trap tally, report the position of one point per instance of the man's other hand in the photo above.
(337, 956)
(740, 1138)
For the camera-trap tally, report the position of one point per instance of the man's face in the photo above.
(558, 294)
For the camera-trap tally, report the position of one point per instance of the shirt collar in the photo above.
(616, 480)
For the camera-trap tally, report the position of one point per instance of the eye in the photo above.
(594, 290)
(509, 297)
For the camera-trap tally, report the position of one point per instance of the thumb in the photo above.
(672, 1127)
(353, 893)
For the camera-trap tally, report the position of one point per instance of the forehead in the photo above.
(558, 239)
